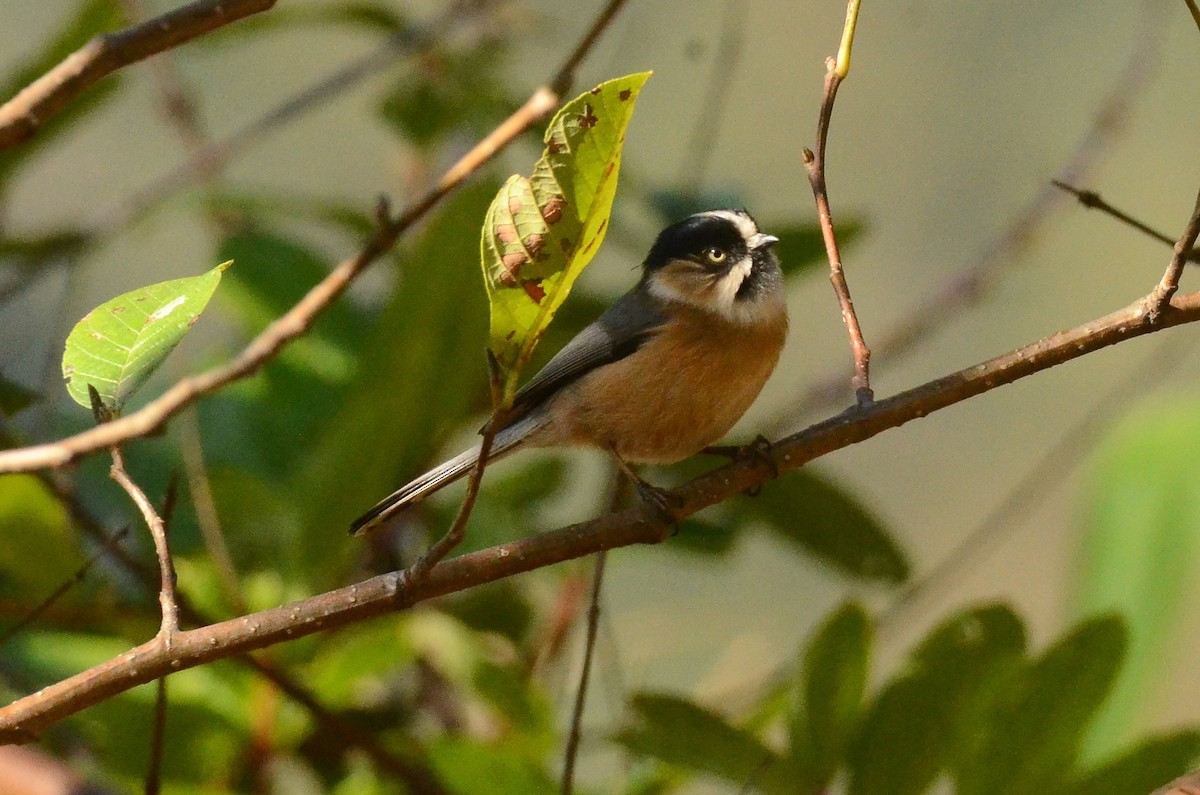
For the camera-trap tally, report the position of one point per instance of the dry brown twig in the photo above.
(975, 282)
(836, 70)
(1094, 201)
(24, 114)
(166, 593)
(575, 735)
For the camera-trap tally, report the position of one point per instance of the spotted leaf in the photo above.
(541, 231)
(117, 345)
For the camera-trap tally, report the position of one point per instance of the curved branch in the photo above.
(23, 115)
(22, 720)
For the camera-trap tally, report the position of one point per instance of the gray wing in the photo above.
(618, 332)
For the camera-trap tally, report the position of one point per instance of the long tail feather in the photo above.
(439, 477)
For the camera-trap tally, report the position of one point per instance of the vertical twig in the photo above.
(166, 569)
(157, 740)
(589, 652)
(458, 529)
(836, 70)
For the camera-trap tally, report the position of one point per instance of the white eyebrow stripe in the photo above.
(745, 225)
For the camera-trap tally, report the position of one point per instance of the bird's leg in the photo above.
(660, 500)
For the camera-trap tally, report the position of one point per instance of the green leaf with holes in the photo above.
(117, 345)
(541, 231)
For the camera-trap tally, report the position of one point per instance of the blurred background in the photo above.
(1065, 496)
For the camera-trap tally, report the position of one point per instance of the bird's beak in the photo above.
(763, 240)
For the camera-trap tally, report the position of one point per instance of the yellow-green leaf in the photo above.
(541, 231)
(117, 345)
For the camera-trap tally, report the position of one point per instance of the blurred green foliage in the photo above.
(1140, 549)
(971, 705)
(468, 691)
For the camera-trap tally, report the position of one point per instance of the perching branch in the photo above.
(23, 115)
(296, 321)
(836, 70)
(26, 718)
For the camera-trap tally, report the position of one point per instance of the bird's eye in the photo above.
(715, 255)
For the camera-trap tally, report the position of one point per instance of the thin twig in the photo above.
(1191, 4)
(23, 115)
(166, 569)
(458, 529)
(589, 650)
(108, 544)
(1169, 284)
(974, 283)
(564, 78)
(157, 740)
(836, 70)
(1093, 201)
(25, 718)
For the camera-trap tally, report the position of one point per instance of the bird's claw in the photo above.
(664, 503)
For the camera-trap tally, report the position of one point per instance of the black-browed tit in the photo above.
(666, 371)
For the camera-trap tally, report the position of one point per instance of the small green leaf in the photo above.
(684, 734)
(833, 677)
(1150, 764)
(1029, 740)
(541, 231)
(915, 725)
(117, 345)
(828, 523)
